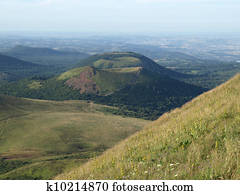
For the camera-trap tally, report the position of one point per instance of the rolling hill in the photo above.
(46, 56)
(40, 139)
(128, 59)
(12, 68)
(136, 91)
(93, 80)
(200, 140)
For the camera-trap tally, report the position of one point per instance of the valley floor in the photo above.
(40, 139)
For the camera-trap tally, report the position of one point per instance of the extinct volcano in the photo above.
(135, 84)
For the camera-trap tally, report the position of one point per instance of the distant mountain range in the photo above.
(46, 56)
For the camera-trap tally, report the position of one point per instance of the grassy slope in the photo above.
(127, 59)
(71, 73)
(15, 69)
(201, 140)
(111, 80)
(39, 139)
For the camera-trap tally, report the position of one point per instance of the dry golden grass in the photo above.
(201, 140)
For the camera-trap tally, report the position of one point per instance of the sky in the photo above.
(120, 16)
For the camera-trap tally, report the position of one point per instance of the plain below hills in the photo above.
(200, 140)
(40, 139)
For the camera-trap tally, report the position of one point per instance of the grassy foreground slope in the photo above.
(40, 139)
(201, 140)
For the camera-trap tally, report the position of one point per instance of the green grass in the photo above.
(117, 62)
(124, 70)
(35, 85)
(43, 168)
(201, 140)
(109, 80)
(40, 139)
(136, 91)
(125, 60)
(72, 73)
(134, 83)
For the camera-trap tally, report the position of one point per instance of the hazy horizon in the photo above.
(116, 17)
